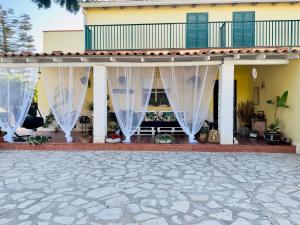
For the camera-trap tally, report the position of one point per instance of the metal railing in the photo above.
(228, 34)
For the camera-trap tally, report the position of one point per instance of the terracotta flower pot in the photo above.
(85, 140)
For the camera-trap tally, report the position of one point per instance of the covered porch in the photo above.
(228, 61)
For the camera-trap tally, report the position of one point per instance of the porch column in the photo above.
(226, 96)
(100, 104)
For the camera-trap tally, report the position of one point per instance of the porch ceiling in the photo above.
(241, 56)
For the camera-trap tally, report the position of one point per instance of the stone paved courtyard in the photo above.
(124, 188)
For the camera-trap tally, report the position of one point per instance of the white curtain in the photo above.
(16, 93)
(189, 90)
(66, 88)
(130, 90)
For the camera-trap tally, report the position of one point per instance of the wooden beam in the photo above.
(58, 60)
(6, 60)
(31, 60)
(258, 62)
(261, 56)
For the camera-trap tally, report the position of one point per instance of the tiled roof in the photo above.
(182, 52)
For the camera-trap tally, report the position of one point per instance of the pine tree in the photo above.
(14, 32)
(71, 5)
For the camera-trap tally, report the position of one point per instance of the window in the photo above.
(158, 97)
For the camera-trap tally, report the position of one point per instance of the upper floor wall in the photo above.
(166, 24)
(63, 40)
(177, 14)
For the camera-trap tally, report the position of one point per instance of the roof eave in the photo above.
(134, 3)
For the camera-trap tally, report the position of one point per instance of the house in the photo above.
(238, 36)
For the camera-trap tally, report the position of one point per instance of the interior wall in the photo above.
(277, 79)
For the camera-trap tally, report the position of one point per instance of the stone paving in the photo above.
(126, 188)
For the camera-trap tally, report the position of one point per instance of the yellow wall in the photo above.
(165, 14)
(66, 41)
(277, 79)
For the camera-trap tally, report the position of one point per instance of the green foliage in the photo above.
(274, 127)
(14, 32)
(245, 112)
(163, 138)
(49, 119)
(204, 130)
(70, 5)
(37, 140)
(280, 102)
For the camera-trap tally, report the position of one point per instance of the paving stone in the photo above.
(181, 206)
(45, 216)
(225, 215)
(109, 214)
(63, 219)
(241, 221)
(157, 221)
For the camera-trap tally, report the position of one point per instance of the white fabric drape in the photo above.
(66, 88)
(130, 90)
(16, 93)
(189, 90)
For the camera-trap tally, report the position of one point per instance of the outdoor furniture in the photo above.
(172, 130)
(146, 131)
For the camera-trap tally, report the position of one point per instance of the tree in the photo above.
(70, 5)
(14, 32)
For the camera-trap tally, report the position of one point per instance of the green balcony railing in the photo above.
(230, 34)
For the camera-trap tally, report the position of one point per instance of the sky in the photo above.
(54, 18)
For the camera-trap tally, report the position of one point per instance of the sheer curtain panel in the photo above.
(16, 93)
(189, 90)
(66, 88)
(130, 89)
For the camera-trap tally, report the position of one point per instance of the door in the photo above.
(197, 30)
(243, 29)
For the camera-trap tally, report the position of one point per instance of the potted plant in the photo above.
(164, 139)
(37, 140)
(115, 127)
(85, 138)
(203, 134)
(245, 112)
(273, 135)
(113, 138)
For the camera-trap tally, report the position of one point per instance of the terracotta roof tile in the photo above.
(172, 52)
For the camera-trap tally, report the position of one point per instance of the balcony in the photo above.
(229, 34)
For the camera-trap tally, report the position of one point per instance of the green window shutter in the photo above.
(197, 30)
(243, 29)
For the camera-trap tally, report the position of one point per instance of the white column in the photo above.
(226, 96)
(100, 104)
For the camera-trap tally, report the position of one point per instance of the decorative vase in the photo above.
(85, 140)
(214, 137)
(203, 137)
(1, 139)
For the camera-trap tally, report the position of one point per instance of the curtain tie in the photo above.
(192, 139)
(9, 137)
(68, 137)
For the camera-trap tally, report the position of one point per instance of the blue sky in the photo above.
(55, 18)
